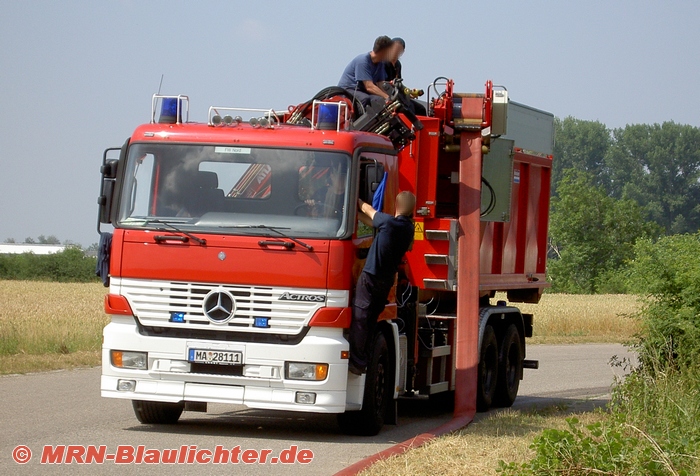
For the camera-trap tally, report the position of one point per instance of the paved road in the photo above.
(64, 407)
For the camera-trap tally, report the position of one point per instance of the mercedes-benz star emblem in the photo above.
(219, 306)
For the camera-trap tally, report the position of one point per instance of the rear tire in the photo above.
(159, 413)
(487, 380)
(378, 385)
(510, 368)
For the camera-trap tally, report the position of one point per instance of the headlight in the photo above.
(306, 371)
(129, 360)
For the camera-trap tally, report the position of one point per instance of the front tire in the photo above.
(510, 368)
(378, 383)
(487, 379)
(159, 413)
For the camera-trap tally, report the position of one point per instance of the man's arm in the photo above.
(363, 74)
(366, 214)
(372, 88)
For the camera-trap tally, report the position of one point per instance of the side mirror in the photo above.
(372, 175)
(109, 169)
(108, 183)
(109, 174)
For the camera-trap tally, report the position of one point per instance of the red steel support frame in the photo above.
(467, 324)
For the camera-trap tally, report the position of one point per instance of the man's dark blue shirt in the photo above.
(392, 241)
(362, 69)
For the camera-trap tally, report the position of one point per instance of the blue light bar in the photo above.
(327, 116)
(169, 111)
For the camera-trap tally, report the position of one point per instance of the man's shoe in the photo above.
(354, 369)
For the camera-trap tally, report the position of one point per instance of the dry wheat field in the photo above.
(45, 326)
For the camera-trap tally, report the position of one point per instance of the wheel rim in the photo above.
(379, 387)
(512, 369)
(490, 363)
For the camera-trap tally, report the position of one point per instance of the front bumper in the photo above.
(263, 384)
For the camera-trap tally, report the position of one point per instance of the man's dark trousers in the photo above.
(370, 299)
(366, 99)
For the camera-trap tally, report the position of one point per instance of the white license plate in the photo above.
(221, 357)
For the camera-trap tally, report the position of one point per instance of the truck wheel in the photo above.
(157, 412)
(487, 379)
(378, 385)
(510, 367)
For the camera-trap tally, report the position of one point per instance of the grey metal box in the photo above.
(530, 128)
(498, 172)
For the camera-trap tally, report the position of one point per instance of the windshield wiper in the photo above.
(273, 229)
(172, 227)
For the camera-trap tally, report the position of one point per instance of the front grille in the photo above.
(215, 369)
(156, 302)
(214, 334)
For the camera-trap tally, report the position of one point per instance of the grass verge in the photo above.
(476, 450)
(27, 363)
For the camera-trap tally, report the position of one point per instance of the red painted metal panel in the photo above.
(523, 208)
(279, 136)
(514, 254)
(417, 269)
(497, 246)
(427, 169)
(543, 222)
(245, 262)
(341, 258)
(115, 257)
(419, 164)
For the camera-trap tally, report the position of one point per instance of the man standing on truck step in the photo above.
(364, 74)
(393, 239)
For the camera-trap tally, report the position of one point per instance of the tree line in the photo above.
(612, 188)
(73, 264)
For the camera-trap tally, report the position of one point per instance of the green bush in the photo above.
(653, 429)
(654, 422)
(69, 265)
(668, 273)
(664, 407)
(599, 448)
(615, 281)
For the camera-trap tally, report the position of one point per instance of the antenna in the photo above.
(161, 83)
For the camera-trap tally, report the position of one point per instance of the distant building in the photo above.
(37, 249)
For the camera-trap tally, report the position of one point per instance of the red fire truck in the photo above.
(234, 248)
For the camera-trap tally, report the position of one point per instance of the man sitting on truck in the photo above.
(393, 239)
(363, 76)
(392, 66)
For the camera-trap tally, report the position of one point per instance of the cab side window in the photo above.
(371, 175)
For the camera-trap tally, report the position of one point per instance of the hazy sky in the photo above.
(77, 77)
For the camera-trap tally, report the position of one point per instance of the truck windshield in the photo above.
(236, 190)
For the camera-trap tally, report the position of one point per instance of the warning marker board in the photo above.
(419, 230)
